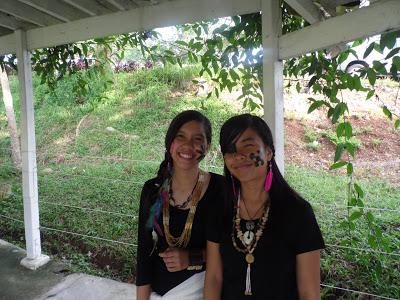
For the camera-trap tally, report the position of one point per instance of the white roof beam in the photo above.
(13, 23)
(90, 7)
(382, 16)
(59, 10)
(26, 13)
(140, 19)
(307, 9)
(123, 4)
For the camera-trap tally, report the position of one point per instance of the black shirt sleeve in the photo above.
(307, 235)
(144, 260)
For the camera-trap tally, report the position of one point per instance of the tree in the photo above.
(12, 124)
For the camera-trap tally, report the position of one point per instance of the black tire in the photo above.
(356, 66)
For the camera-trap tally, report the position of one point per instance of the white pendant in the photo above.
(248, 237)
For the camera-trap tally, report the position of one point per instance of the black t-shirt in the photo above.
(151, 269)
(291, 229)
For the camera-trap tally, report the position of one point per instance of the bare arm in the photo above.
(143, 292)
(213, 281)
(308, 275)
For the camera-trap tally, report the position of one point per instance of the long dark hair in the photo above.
(166, 165)
(231, 130)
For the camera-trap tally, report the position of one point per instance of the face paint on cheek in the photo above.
(256, 157)
(201, 152)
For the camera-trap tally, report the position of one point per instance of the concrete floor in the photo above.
(50, 281)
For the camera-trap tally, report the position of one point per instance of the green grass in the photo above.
(102, 163)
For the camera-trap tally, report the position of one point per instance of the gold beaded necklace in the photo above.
(183, 240)
(248, 248)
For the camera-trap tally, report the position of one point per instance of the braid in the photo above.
(164, 171)
(154, 199)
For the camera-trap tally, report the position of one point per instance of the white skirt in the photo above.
(190, 289)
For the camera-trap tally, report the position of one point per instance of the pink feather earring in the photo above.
(268, 178)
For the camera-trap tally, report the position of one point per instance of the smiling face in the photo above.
(189, 145)
(247, 157)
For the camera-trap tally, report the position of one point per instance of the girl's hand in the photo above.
(175, 259)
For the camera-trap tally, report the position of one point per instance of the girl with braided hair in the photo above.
(174, 206)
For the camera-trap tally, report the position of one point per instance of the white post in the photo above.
(273, 76)
(34, 258)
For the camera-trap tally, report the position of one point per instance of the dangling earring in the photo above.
(268, 178)
(233, 187)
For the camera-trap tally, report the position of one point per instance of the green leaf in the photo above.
(338, 165)
(392, 53)
(359, 191)
(312, 81)
(355, 215)
(182, 43)
(393, 71)
(85, 49)
(315, 105)
(298, 88)
(234, 75)
(343, 56)
(387, 112)
(369, 50)
(350, 149)
(353, 202)
(396, 61)
(215, 66)
(340, 130)
(338, 111)
(348, 130)
(388, 40)
(349, 168)
(369, 216)
(397, 124)
(379, 67)
(339, 151)
(370, 94)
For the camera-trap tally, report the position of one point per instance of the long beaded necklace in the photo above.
(248, 248)
(183, 240)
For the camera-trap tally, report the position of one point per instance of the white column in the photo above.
(273, 76)
(34, 258)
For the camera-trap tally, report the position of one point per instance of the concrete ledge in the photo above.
(81, 286)
(18, 282)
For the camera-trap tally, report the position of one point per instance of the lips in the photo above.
(243, 166)
(185, 155)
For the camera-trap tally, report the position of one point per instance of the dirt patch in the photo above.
(309, 138)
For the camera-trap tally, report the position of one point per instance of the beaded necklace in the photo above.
(248, 247)
(188, 199)
(183, 240)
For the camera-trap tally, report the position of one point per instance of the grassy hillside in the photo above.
(96, 152)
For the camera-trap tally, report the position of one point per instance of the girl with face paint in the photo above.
(268, 241)
(174, 206)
